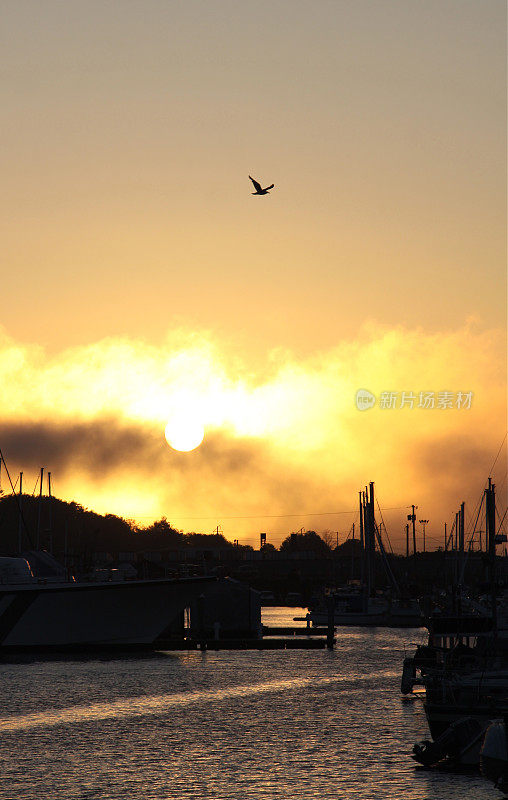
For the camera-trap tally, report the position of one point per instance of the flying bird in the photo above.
(259, 190)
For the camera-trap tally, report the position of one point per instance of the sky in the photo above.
(142, 282)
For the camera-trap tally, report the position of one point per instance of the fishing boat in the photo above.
(463, 668)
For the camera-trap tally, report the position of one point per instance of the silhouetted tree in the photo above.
(309, 541)
(160, 535)
(206, 540)
(349, 546)
(329, 537)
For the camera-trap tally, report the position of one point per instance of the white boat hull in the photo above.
(386, 618)
(88, 614)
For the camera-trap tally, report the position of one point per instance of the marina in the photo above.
(274, 725)
(158, 650)
(49, 617)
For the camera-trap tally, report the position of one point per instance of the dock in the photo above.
(270, 643)
(298, 631)
(273, 638)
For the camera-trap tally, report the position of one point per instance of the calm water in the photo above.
(289, 724)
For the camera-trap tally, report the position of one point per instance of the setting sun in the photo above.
(184, 433)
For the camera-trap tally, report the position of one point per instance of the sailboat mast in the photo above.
(20, 513)
(490, 520)
(39, 510)
(362, 542)
(50, 511)
(372, 540)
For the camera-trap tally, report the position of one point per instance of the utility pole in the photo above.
(423, 523)
(412, 519)
(407, 539)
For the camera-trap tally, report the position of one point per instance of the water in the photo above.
(230, 725)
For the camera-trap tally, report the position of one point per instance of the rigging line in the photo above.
(477, 508)
(471, 537)
(500, 486)
(351, 528)
(470, 544)
(498, 452)
(36, 485)
(384, 525)
(502, 520)
(480, 501)
(499, 513)
(17, 500)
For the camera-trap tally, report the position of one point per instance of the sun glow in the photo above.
(184, 433)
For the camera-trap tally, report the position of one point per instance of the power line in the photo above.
(280, 516)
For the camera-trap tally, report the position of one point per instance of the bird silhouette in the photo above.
(259, 190)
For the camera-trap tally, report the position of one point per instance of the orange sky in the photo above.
(139, 274)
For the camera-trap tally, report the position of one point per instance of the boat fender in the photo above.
(493, 759)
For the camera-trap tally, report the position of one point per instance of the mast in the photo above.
(353, 554)
(20, 513)
(362, 542)
(39, 510)
(370, 539)
(490, 526)
(462, 556)
(50, 510)
(461, 529)
(372, 542)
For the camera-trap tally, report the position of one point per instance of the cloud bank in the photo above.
(286, 440)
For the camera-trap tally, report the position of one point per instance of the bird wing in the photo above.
(269, 187)
(257, 186)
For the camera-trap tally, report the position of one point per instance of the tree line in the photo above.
(56, 525)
